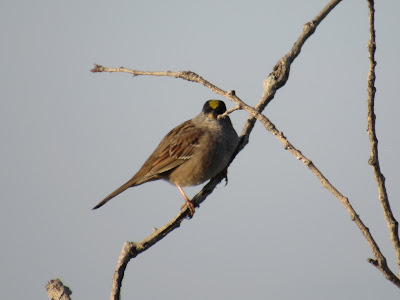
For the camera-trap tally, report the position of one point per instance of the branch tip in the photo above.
(97, 69)
(373, 262)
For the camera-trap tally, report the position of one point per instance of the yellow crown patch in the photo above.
(213, 103)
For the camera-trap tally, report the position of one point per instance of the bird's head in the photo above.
(213, 108)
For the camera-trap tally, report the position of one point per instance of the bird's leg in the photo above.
(188, 203)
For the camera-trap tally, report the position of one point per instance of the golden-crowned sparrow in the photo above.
(189, 154)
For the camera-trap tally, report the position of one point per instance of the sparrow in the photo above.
(190, 154)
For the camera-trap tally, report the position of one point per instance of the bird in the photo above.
(190, 154)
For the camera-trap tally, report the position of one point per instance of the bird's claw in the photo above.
(189, 204)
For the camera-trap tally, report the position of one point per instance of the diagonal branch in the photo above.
(380, 261)
(374, 158)
(132, 249)
(280, 73)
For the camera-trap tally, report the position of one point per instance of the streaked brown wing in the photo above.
(183, 141)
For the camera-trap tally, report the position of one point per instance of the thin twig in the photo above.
(374, 158)
(229, 111)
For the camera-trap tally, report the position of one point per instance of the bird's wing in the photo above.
(177, 147)
(182, 143)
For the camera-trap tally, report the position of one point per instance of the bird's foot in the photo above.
(189, 205)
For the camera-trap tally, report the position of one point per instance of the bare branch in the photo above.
(380, 260)
(374, 158)
(280, 74)
(132, 249)
(229, 111)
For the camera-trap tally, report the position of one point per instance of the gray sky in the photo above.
(70, 137)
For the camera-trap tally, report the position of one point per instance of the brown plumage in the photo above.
(189, 154)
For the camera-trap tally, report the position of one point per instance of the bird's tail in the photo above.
(115, 193)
